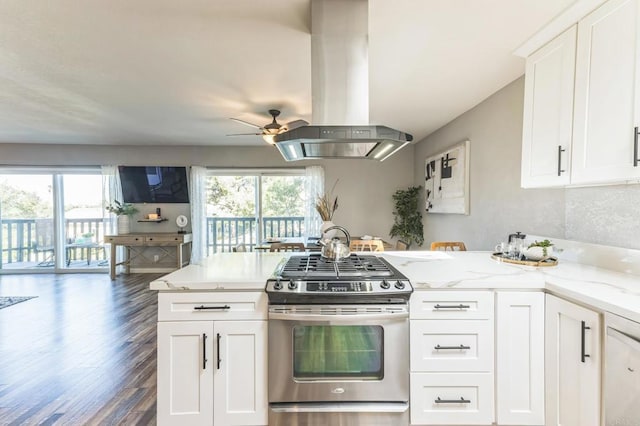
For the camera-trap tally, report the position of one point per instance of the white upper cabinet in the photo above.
(548, 113)
(606, 95)
(582, 101)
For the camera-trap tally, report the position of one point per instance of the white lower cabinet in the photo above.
(212, 372)
(185, 381)
(519, 358)
(452, 358)
(455, 377)
(572, 359)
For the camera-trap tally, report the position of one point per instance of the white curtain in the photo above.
(314, 186)
(197, 194)
(112, 191)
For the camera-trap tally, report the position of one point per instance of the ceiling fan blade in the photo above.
(245, 134)
(246, 123)
(295, 124)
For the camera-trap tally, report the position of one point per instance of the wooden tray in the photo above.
(552, 261)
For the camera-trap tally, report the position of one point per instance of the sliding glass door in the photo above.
(51, 220)
(244, 209)
(26, 217)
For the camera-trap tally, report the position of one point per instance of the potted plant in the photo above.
(123, 211)
(539, 250)
(407, 216)
(326, 206)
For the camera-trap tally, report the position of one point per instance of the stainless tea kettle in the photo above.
(334, 249)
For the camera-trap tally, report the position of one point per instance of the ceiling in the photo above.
(166, 72)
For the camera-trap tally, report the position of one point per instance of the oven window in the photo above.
(338, 351)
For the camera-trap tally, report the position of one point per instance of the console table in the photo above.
(171, 243)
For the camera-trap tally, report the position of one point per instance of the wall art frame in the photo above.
(447, 180)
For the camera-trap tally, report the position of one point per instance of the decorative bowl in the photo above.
(538, 253)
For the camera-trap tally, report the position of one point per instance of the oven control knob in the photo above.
(277, 285)
(293, 285)
(399, 285)
(385, 284)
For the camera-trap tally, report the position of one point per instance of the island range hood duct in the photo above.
(340, 91)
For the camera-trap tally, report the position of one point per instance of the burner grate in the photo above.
(354, 266)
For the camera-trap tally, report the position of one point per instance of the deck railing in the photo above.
(18, 237)
(226, 233)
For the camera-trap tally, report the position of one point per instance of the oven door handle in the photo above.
(342, 407)
(337, 317)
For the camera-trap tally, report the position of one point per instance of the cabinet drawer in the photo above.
(125, 240)
(451, 345)
(452, 305)
(451, 399)
(160, 239)
(212, 306)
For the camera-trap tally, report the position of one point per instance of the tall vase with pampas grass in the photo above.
(326, 206)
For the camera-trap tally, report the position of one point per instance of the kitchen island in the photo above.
(603, 289)
(512, 325)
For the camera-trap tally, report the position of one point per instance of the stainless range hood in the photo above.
(340, 91)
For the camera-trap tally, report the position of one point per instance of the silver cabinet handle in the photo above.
(583, 337)
(460, 306)
(212, 308)
(204, 351)
(452, 401)
(560, 151)
(635, 147)
(462, 347)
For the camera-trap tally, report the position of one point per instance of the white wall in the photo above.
(364, 187)
(602, 215)
(498, 206)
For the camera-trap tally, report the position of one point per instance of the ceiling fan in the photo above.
(268, 131)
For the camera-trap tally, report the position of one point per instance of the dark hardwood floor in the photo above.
(82, 353)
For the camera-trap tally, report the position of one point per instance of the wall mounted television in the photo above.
(151, 184)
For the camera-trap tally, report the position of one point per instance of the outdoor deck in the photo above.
(29, 243)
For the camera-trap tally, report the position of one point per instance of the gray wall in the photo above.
(498, 206)
(364, 188)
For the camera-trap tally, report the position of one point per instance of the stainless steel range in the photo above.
(338, 342)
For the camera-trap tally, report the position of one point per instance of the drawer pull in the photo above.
(204, 351)
(212, 308)
(218, 337)
(452, 401)
(583, 338)
(462, 347)
(460, 306)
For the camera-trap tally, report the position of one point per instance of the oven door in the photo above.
(332, 353)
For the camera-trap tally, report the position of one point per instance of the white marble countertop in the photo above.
(223, 271)
(599, 288)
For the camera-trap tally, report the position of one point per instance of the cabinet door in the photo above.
(240, 382)
(548, 113)
(572, 360)
(520, 358)
(185, 373)
(607, 92)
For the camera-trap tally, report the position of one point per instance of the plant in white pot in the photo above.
(123, 211)
(539, 250)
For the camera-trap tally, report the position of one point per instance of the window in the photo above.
(242, 209)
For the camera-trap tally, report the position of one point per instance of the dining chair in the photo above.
(402, 245)
(366, 245)
(287, 247)
(44, 241)
(448, 245)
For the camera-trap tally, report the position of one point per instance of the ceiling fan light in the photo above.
(269, 139)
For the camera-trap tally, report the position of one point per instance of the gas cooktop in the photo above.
(357, 279)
